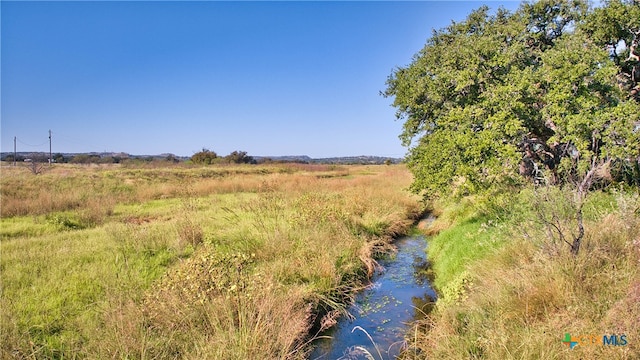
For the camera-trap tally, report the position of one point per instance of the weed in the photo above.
(189, 230)
(365, 351)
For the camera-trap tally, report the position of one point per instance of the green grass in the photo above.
(186, 262)
(53, 282)
(510, 290)
(463, 235)
(455, 248)
(25, 227)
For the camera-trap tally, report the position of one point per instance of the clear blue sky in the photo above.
(269, 78)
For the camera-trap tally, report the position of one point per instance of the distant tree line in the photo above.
(203, 157)
(59, 158)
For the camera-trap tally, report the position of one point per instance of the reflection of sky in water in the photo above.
(399, 295)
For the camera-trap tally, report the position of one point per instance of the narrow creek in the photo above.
(399, 294)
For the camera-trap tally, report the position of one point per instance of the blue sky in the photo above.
(269, 78)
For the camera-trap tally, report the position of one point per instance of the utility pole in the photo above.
(50, 158)
(15, 153)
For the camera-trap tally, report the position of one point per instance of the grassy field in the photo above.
(510, 289)
(224, 262)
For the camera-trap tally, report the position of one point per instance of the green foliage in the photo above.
(239, 157)
(615, 26)
(85, 159)
(59, 158)
(204, 157)
(499, 96)
(64, 222)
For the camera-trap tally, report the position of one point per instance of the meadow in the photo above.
(184, 262)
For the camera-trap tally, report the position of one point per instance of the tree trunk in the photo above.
(575, 247)
(583, 189)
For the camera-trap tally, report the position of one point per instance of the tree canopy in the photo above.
(204, 157)
(545, 93)
(239, 157)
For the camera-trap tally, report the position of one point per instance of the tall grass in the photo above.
(519, 300)
(189, 262)
(70, 187)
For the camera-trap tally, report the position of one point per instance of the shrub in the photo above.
(204, 157)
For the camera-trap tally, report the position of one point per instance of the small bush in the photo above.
(65, 222)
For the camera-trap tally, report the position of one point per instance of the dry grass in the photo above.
(189, 262)
(520, 301)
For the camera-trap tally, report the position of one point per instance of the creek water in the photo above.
(381, 315)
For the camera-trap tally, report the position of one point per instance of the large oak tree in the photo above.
(545, 93)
